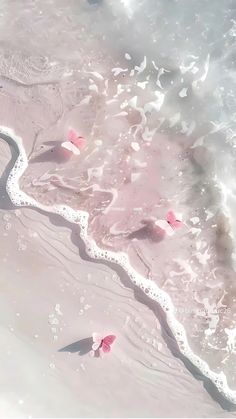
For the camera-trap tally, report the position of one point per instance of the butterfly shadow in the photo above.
(54, 154)
(81, 347)
(146, 232)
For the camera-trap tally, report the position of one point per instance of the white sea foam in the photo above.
(19, 198)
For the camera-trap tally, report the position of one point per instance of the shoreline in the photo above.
(81, 218)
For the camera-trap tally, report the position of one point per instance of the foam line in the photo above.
(21, 199)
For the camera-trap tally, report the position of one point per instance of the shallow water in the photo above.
(150, 86)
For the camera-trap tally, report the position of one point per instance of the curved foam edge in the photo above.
(19, 198)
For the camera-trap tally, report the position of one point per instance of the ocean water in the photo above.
(149, 85)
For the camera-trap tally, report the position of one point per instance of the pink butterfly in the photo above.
(75, 143)
(172, 220)
(102, 343)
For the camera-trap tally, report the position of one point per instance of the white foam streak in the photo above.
(19, 198)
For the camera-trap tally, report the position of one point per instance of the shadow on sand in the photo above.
(82, 347)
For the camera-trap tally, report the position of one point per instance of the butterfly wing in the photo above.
(92, 353)
(95, 346)
(172, 220)
(79, 142)
(177, 224)
(164, 226)
(70, 147)
(106, 347)
(108, 340)
(170, 217)
(72, 135)
(97, 340)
